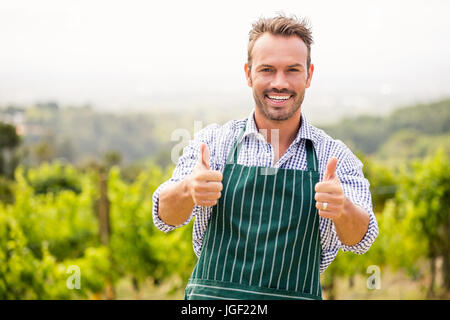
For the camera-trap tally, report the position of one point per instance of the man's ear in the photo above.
(248, 74)
(310, 74)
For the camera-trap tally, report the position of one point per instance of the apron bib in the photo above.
(263, 237)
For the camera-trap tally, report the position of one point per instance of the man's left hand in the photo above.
(330, 191)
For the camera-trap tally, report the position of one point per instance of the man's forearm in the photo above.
(352, 225)
(175, 203)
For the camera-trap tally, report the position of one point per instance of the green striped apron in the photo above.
(263, 238)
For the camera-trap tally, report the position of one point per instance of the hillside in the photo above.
(81, 134)
(411, 131)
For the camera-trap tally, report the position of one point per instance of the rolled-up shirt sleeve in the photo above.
(356, 189)
(185, 165)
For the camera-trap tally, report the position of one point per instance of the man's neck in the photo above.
(284, 132)
(287, 129)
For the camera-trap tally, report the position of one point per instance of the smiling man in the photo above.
(274, 198)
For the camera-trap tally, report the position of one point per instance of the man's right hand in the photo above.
(205, 185)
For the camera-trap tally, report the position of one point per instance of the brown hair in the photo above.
(284, 26)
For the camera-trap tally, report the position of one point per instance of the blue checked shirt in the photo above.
(256, 151)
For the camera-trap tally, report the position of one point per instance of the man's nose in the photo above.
(279, 81)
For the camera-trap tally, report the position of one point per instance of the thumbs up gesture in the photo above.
(330, 198)
(205, 185)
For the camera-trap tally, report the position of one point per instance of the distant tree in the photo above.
(9, 141)
(112, 158)
(8, 136)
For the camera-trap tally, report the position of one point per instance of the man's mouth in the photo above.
(278, 99)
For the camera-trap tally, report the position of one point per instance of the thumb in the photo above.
(331, 169)
(204, 156)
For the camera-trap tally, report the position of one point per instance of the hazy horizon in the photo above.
(135, 55)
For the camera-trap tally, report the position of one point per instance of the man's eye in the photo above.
(293, 70)
(265, 70)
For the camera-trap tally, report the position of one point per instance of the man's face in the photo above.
(278, 75)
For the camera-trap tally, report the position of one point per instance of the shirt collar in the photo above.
(305, 131)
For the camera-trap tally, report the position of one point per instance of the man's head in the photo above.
(279, 65)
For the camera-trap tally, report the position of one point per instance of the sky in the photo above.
(117, 55)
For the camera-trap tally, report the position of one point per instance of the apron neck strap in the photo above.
(232, 155)
(311, 157)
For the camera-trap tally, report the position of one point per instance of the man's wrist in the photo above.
(186, 188)
(343, 217)
(351, 225)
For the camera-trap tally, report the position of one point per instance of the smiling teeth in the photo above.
(279, 97)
